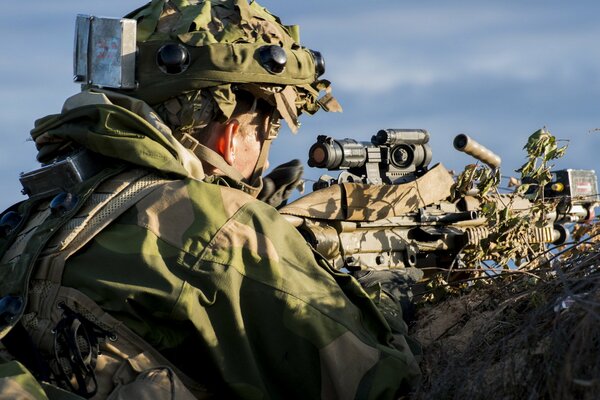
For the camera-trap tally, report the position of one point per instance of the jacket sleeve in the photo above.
(282, 322)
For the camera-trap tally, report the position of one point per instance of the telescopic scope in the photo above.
(335, 154)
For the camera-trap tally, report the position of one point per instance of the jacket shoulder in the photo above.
(187, 213)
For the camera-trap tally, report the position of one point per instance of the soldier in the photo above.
(143, 266)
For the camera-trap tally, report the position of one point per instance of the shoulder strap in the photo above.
(106, 204)
(109, 201)
(18, 258)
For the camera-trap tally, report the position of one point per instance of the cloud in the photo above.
(496, 70)
(363, 72)
(57, 9)
(381, 21)
(557, 56)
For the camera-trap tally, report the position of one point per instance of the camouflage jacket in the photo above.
(220, 283)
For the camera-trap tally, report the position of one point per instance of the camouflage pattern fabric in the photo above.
(226, 288)
(109, 124)
(18, 383)
(221, 284)
(224, 38)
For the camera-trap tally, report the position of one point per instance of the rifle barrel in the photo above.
(467, 145)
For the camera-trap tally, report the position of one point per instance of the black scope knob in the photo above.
(173, 58)
(273, 58)
(319, 62)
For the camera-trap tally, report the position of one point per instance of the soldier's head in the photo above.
(222, 74)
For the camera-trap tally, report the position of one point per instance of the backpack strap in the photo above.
(60, 317)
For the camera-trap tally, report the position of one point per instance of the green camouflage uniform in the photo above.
(222, 285)
(215, 280)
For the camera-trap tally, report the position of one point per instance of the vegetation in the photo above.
(531, 329)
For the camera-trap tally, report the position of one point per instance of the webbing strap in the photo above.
(210, 156)
(95, 216)
(262, 160)
(272, 130)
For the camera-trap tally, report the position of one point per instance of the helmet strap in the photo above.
(213, 158)
(272, 132)
(206, 154)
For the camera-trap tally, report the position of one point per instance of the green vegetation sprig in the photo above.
(541, 148)
(509, 228)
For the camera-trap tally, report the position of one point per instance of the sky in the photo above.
(495, 70)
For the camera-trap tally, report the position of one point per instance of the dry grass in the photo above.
(519, 337)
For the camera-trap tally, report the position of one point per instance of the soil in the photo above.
(534, 335)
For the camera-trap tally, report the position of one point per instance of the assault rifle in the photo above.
(388, 209)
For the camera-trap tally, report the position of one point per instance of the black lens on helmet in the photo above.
(273, 58)
(319, 62)
(173, 58)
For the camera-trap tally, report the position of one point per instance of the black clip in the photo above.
(76, 350)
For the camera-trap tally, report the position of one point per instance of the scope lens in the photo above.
(324, 154)
(402, 156)
(318, 156)
(337, 154)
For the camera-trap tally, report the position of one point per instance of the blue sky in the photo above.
(495, 70)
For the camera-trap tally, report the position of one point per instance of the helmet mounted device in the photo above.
(193, 56)
(108, 55)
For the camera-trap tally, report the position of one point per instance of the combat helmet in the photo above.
(193, 55)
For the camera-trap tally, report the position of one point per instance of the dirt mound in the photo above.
(531, 336)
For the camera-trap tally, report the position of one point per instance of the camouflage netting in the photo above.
(525, 335)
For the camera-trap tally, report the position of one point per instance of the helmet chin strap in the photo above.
(271, 134)
(208, 155)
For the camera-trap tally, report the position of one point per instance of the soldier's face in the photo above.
(247, 141)
(239, 142)
(246, 149)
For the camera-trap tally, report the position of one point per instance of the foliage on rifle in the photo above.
(541, 148)
(508, 238)
(536, 173)
(432, 221)
(478, 176)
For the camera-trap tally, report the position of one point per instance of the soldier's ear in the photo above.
(225, 141)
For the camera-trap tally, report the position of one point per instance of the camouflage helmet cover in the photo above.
(223, 40)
